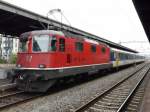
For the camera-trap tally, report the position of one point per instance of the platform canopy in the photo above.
(143, 10)
(15, 20)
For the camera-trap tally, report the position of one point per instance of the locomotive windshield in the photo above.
(40, 43)
(43, 43)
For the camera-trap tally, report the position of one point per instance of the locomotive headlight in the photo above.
(42, 66)
(20, 77)
(18, 65)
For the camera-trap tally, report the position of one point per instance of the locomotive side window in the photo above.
(62, 44)
(40, 43)
(23, 46)
(79, 46)
(103, 50)
(52, 44)
(93, 48)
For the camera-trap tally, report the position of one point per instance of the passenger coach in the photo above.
(121, 58)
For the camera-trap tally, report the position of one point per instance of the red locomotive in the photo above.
(46, 56)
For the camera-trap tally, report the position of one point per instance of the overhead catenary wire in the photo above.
(51, 12)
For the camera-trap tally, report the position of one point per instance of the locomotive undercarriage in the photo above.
(40, 80)
(35, 86)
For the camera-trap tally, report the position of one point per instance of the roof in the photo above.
(143, 10)
(39, 32)
(15, 21)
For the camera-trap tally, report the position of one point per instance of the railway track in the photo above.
(9, 95)
(115, 99)
(7, 86)
(7, 89)
(135, 103)
(18, 97)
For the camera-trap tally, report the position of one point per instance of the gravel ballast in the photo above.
(71, 98)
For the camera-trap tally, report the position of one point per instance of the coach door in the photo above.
(117, 58)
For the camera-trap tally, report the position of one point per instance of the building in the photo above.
(8, 46)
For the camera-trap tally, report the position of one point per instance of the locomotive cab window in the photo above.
(62, 44)
(79, 46)
(93, 48)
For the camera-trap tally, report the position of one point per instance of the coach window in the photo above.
(115, 55)
(62, 44)
(79, 46)
(93, 48)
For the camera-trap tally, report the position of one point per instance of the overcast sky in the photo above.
(115, 20)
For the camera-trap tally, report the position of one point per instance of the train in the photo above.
(46, 56)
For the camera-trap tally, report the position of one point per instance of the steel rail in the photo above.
(8, 95)
(132, 93)
(95, 99)
(7, 86)
(21, 100)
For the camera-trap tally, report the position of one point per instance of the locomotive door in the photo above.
(79, 52)
(68, 52)
(64, 51)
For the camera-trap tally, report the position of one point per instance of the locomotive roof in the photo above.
(40, 32)
(61, 33)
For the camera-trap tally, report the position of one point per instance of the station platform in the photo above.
(145, 107)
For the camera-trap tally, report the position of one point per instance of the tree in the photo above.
(13, 58)
(2, 61)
